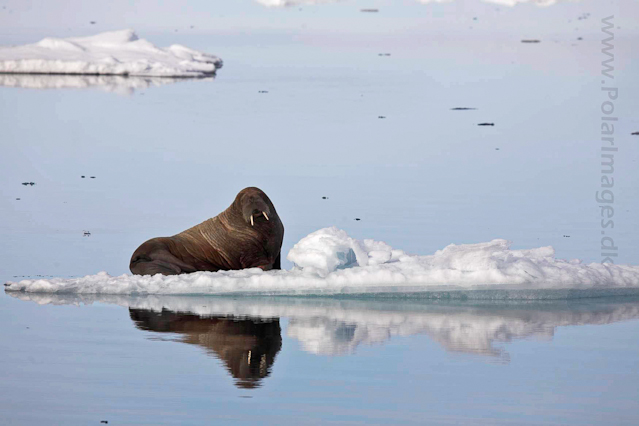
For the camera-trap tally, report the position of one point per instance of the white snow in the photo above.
(329, 262)
(109, 53)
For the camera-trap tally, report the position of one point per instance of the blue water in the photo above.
(68, 361)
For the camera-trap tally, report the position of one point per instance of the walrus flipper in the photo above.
(159, 262)
(277, 264)
(153, 267)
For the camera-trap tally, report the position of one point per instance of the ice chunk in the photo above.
(110, 53)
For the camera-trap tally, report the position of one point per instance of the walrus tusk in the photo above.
(264, 213)
(252, 220)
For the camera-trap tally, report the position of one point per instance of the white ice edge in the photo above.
(109, 53)
(329, 262)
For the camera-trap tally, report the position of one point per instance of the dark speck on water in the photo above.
(370, 10)
(263, 91)
(106, 422)
(357, 218)
(92, 22)
(17, 199)
(531, 41)
(462, 109)
(323, 198)
(381, 116)
(82, 177)
(566, 236)
(92, 177)
(486, 124)
(383, 54)
(496, 149)
(635, 133)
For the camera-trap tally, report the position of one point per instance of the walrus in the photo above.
(248, 234)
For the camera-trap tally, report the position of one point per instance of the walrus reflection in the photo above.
(248, 347)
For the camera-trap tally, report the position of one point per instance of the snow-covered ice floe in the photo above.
(292, 3)
(109, 53)
(334, 327)
(511, 3)
(329, 262)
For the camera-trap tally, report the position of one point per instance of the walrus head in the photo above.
(254, 205)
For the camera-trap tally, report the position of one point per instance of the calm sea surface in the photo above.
(325, 101)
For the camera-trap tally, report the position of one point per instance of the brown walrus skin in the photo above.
(248, 234)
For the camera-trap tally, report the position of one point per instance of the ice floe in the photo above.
(329, 262)
(506, 2)
(109, 53)
(291, 3)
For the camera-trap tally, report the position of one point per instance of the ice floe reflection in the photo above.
(123, 85)
(235, 330)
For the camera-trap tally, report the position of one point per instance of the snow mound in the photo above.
(110, 53)
(329, 262)
(328, 249)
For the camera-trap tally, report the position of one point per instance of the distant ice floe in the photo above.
(110, 53)
(291, 3)
(325, 326)
(329, 262)
(510, 3)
